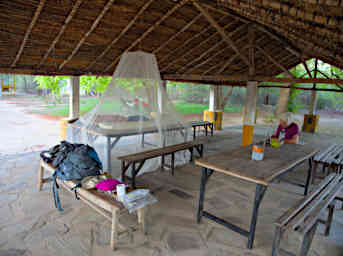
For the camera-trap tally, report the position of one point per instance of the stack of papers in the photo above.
(137, 199)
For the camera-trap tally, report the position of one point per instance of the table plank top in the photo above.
(276, 161)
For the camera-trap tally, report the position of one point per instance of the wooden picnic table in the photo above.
(237, 163)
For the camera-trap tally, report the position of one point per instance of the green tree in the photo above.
(53, 83)
(94, 84)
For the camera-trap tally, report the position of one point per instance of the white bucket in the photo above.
(121, 192)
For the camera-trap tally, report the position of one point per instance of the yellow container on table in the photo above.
(215, 117)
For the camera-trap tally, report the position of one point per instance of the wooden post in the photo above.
(74, 99)
(313, 103)
(282, 101)
(250, 112)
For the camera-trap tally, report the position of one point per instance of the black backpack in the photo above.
(72, 162)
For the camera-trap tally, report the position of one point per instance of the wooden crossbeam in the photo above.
(172, 53)
(204, 42)
(221, 32)
(252, 78)
(178, 33)
(83, 39)
(122, 33)
(60, 33)
(146, 33)
(275, 62)
(28, 31)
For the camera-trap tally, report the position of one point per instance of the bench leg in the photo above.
(134, 173)
(309, 176)
(141, 219)
(314, 172)
(40, 177)
(114, 229)
(307, 241)
(173, 162)
(329, 220)
(276, 242)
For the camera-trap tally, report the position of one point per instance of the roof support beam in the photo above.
(253, 78)
(172, 53)
(28, 32)
(178, 33)
(146, 33)
(122, 33)
(306, 68)
(83, 39)
(200, 45)
(221, 31)
(65, 24)
(275, 62)
(340, 86)
(252, 46)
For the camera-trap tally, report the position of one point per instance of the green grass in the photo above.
(185, 108)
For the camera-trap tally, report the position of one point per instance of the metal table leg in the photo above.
(260, 190)
(202, 193)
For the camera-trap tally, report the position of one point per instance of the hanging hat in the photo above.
(90, 182)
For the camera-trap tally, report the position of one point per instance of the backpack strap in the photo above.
(55, 188)
(75, 190)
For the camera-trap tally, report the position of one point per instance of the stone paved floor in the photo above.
(30, 225)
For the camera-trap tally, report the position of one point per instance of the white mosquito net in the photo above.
(133, 115)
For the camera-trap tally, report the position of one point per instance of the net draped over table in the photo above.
(134, 105)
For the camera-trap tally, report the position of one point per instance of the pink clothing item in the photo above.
(108, 185)
(290, 131)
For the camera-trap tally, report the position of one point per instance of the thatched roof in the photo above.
(77, 37)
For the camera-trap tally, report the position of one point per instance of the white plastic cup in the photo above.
(121, 192)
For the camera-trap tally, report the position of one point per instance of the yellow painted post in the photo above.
(249, 113)
(215, 117)
(310, 123)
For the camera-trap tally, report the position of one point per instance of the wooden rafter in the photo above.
(28, 32)
(146, 33)
(275, 62)
(221, 32)
(178, 33)
(233, 57)
(253, 78)
(60, 33)
(122, 33)
(172, 53)
(306, 68)
(83, 39)
(340, 86)
(206, 60)
(204, 42)
(202, 56)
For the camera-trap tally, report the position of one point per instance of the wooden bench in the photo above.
(303, 218)
(208, 127)
(330, 158)
(104, 204)
(140, 158)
